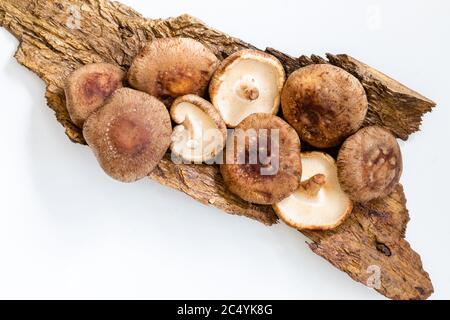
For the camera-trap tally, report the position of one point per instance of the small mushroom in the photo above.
(201, 133)
(370, 164)
(319, 203)
(129, 135)
(324, 103)
(263, 166)
(88, 87)
(173, 67)
(247, 82)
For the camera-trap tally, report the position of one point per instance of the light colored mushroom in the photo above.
(201, 133)
(319, 203)
(247, 82)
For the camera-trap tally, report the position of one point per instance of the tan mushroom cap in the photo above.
(247, 82)
(319, 203)
(370, 164)
(324, 103)
(201, 133)
(88, 87)
(262, 169)
(172, 67)
(129, 135)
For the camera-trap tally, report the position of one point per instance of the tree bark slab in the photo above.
(372, 241)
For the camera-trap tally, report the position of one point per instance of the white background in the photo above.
(69, 231)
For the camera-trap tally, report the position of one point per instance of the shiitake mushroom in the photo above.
(319, 203)
(129, 135)
(247, 82)
(88, 87)
(169, 68)
(325, 104)
(274, 172)
(200, 133)
(370, 164)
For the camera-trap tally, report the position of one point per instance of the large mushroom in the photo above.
(129, 135)
(88, 87)
(325, 104)
(370, 164)
(201, 133)
(319, 203)
(247, 82)
(168, 68)
(263, 166)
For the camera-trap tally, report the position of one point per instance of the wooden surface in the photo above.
(371, 241)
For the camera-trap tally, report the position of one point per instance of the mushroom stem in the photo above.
(312, 186)
(249, 91)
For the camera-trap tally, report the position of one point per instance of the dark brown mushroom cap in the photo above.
(325, 104)
(246, 180)
(172, 67)
(129, 135)
(88, 87)
(370, 164)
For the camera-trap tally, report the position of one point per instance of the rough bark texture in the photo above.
(52, 46)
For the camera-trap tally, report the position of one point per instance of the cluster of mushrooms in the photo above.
(323, 106)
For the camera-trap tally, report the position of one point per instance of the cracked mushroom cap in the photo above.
(201, 133)
(88, 87)
(324, 103)
(370, 164)
(247, 82)
(129, 135)
(319, 203)
(173, 67)
(264, 166)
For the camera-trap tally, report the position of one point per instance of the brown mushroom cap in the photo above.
(201, 133)
(249, 180)
(129, 135)
(88, 87)
(249, 81)
(370, 164)
(172, 67)
(325, 104)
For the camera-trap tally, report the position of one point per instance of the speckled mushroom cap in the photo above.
(247, 180)
(88, 87)
(172, 67)
(129, 135)
(370, 164)
(325, 104)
